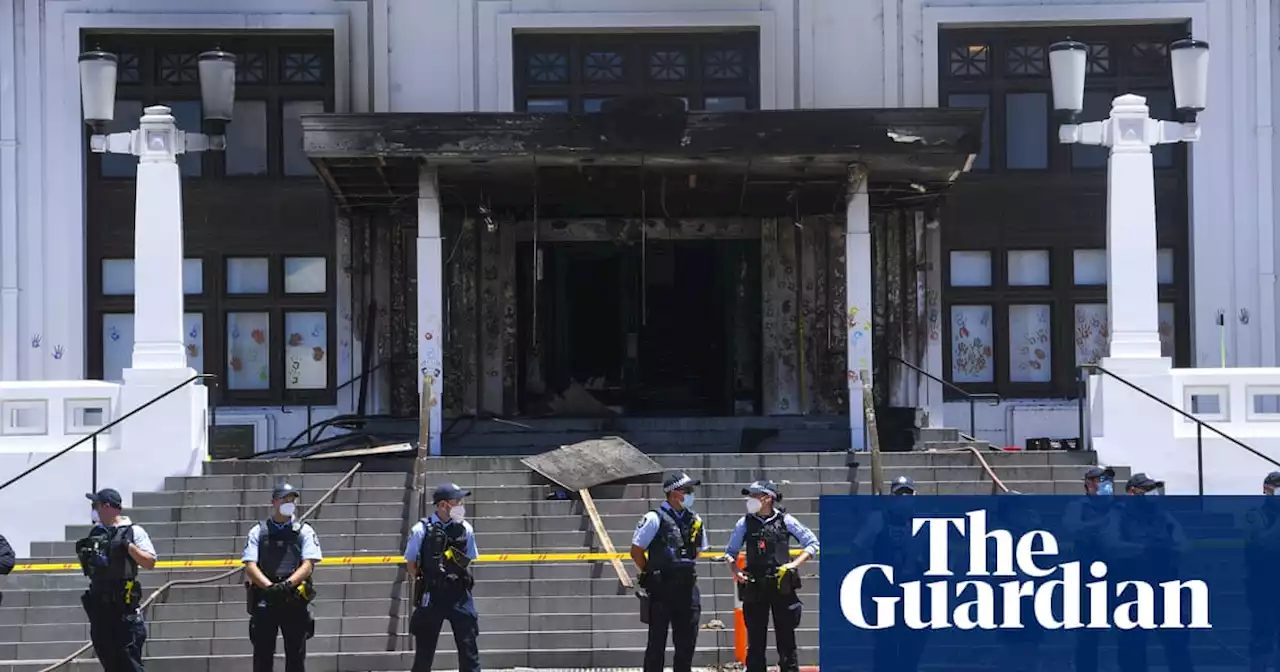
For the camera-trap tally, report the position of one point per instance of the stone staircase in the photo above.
(480, 437)
(540, 615)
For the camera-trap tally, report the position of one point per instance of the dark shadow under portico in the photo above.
(737, 247)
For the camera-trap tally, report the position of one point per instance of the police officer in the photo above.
(1146, 544)
(1262, 585)
(110, 556)
(439, 554)
(665, 548)
(1086, 519)
(771, 580)
(279, 556)
(7, 560)
(886, 538)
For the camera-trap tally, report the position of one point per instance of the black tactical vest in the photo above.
(1095, 507)
(443, 557)
(1142, 523)
(279, 549)
(1260, 561)
(677, 542)
(121, 567)
(768, 543)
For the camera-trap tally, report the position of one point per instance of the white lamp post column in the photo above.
(158, 235)
(1130, 133)
(158, 251)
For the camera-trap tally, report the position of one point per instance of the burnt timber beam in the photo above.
(843, 135)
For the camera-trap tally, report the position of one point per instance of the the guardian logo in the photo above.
(1054, 592)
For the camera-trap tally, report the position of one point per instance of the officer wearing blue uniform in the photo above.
(110, 556)
(1146, 541)
(1262, 585)
(279, 556)
(1086, 520)
(771, 580)
(665, 548)
(886, 538)
(439, 553)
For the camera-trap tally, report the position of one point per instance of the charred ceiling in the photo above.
(670, 164)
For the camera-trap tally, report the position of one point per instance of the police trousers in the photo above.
(786, 610)
(293, 622)
(680, 610)
(1264, 635)
(117, 633)
(898, 649)
(460, 611)
(1133, 649)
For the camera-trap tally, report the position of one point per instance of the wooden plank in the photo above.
(603, 534)
(873, 439)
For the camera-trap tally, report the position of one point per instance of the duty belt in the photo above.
(125, 594)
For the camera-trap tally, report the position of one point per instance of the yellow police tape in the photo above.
(367, 560)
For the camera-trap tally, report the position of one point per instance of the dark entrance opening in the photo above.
(648, 329)
(682, 368)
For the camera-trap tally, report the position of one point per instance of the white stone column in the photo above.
(158, 255)
(158, 249)
(430, 300)
(1132, 300)
(857, 266)
(172, 433)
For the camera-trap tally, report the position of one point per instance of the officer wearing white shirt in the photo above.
(439, 554)
(771, 579)
(110, 556)
(279, 556)
(665, 548)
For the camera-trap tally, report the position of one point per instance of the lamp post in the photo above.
(1130, 133)
(158, 237)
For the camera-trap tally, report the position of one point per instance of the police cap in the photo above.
(446, 491)
(678, 480)
(1272, 479)
(1141, 481)
(1099, 472)
(763, 487)
(106, 496)
(283, 490)
(903, 483)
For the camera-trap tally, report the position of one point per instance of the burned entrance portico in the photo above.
(672, 263)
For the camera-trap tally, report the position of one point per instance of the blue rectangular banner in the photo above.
(1024, 582)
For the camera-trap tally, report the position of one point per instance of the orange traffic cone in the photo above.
(739, 623)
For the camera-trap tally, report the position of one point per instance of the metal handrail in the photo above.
(997, 485)
(164, 589)
(94, 436)
(324, 424)
(1200, 424)
(993, 398)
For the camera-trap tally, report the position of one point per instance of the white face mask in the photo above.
(287, 509)
(457, 513)
(688, 500)
(93, 516)
(753, 505)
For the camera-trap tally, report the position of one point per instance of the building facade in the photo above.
(302, 304)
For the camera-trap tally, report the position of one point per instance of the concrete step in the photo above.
(668, 440)
(708, 655)
(709, 583)
(484, 493)
(479, 509)
(238, 645)
(572, 522)
(446, 465)
(493, 625)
